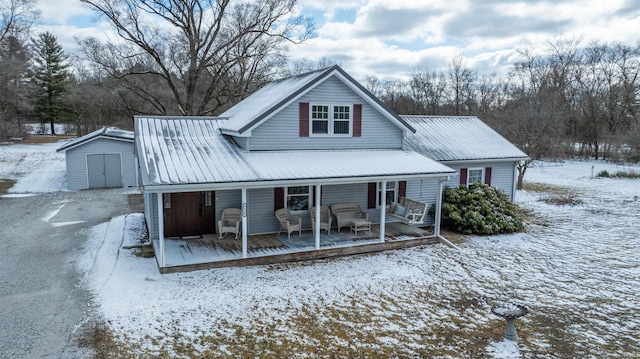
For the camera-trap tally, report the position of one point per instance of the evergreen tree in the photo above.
(51, 79)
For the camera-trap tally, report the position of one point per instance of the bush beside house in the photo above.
(479, 209)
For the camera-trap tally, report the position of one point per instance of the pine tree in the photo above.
(51, 79)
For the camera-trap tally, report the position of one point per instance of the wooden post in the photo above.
(244, 223)
(317, 215)
(383, 205)
(161, 228)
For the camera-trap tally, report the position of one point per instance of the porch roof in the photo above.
(181, 153)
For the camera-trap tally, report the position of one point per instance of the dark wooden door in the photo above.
(188, 213)
(183, 214)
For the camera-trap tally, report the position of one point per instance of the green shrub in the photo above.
(603, 173)
(479, 209)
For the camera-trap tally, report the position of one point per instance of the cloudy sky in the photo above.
(391, 38)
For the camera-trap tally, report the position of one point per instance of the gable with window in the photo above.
(330, 119)
(469, 176)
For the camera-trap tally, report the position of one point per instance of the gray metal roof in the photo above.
(458, 138)
(267, 101)
(106, 132)
(186, 151)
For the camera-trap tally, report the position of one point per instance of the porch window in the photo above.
(388, 194)
(331, 119)
(298, 198)
(208, 200)
(475, 175)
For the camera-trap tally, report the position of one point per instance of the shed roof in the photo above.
(267, 101)
(458, 138)
(176, 151)
(106, 132)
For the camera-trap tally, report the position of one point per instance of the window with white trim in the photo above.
(331, 119)
(297, 198)
(390, 193)
(475, 175)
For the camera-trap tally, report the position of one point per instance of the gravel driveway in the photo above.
(41, 237)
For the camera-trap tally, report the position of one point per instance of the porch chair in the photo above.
(230, 222)
(325, 219)
(288, 222)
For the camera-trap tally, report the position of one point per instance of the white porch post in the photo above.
(383, 186)
(436, 225)
(317, 215)
(161, 228)
(244, 223)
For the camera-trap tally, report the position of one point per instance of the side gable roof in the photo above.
(458, 138)
(264, 103)
(106, 132)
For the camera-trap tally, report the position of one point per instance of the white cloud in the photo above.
(59, 12)
(389, 38)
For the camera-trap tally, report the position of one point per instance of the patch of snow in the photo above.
(505, 349)
(45, 129)
(36, 168)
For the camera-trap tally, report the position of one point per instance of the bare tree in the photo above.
(207, 53)
(540, 105)
(428, 88)
(462, 80)
(16, 18)
(607, 85)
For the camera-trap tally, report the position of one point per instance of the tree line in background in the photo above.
(178, 57)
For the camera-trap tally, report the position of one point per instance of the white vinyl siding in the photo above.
(501, 174)
(282, 132)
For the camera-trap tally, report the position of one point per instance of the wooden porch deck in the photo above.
(188, 254)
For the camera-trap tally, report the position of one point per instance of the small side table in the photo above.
(360, 225)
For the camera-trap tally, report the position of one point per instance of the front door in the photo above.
(188, 214)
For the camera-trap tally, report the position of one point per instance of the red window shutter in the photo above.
(463, 176)
(357, 120)
(304, 119)
(372, 195)
(278, 198)
(487, 176)
(402, 189)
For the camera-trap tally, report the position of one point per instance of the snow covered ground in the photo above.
(576, 268)
(37, 168)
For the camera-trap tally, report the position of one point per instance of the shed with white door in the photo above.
(101, 159)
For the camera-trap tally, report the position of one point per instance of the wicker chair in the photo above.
(230, 222)
(288, 222)
(325, 219)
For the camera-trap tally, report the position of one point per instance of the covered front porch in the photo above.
(209, 251)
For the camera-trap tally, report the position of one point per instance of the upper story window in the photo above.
(331, 119)
(475, 175)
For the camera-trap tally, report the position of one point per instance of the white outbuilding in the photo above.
(101, 159)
